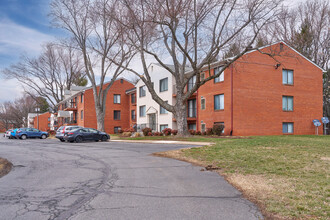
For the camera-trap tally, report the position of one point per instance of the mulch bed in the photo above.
(5, 167)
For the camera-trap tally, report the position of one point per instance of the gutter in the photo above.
(232, 98)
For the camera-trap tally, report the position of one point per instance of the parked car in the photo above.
(61, 131)
(13, 133)
(85, 134)
(8, 133)
(23, 133)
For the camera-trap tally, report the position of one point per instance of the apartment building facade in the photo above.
(42, 121)
(271, 91)
(79, 109)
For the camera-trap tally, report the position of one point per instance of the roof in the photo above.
(130, 90)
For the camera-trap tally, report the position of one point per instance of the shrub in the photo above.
(217, 129)
(198, 133)
(149, 134)
(120, 131)
(209, 131)
(192, 132)
(126, 134)
(167, 131)
(158, 133)
(146, 131)
(174, 132)
(204, 133)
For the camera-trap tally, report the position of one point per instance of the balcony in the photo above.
(72, 106)
(70, 122)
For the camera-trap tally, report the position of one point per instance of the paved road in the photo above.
(52, 180)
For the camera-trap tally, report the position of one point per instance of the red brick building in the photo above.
(263, 94)
(42, 121)
(79, 109)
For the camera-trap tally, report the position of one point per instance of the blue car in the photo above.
(13, 133)
(23, 133)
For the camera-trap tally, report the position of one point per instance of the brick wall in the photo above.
(258, 91)
(43, 121)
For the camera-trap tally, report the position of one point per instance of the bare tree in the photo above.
(56, 69)
(16, 112)
(97, 37)
(193, 33)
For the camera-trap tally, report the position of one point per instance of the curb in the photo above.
(165, 142)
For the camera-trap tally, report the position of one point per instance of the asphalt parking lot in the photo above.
(111, 180)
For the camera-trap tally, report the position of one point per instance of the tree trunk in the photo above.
(99, 118)
(180, 114)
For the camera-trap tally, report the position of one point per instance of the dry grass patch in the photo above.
(5, 167)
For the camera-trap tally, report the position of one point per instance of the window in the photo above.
(142, 111)
(48, 119)
(48, 124)
(82, 114)
(142, 91)
(219, 103)
(287, 103)
(163, 110)
(202, 76)
(116, 99)
(287, 77)
(162, 127)
(133, 116)
(163, 85)
(192, 126)
(117, 129)
(287, 128)
(192, 108)
(191, 83)
(82, 98)
(203, 127)
(219, 78)
(121, 81)
(202, 103)
(133, 98)
(116, 115)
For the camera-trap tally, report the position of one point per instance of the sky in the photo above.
(24, 28)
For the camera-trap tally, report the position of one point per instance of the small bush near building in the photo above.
(158, 134)
(167, 131)
(149, 134)
(137, 134)
(198, 133)
(192, 132)
(174, 132)
(129, 130)
(146, 131)
(204, 133)
(209, 131)
(217, 129)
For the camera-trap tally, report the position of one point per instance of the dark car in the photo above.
(64, 129)
(24, 133)
(85, 134)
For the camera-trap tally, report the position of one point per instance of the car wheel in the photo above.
(43, 136)
(23, 137)
(104, 138)
(78, 139)
(62, 140)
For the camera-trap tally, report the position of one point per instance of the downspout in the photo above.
(197, 122)
(232, 98)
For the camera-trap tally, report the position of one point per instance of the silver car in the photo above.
(8, 133)
(61, 130)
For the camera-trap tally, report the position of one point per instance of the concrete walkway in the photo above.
(166, 142)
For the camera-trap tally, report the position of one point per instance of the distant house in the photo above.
(79, 109)
(271, 91)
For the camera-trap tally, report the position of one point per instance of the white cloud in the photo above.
(16, 39)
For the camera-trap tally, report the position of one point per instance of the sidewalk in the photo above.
(165, 142)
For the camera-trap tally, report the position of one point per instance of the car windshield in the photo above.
(60, 128)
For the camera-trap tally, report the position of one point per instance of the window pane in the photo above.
(285, 76)
(290, 103)
(290, 77)
(202, 103)
(290, 127)
(222, 77)
(217, 102)
(222, 102)
(284, 103)
(285, 128)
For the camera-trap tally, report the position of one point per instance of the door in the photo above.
(94, 134)
(84, 132)
(152, 121)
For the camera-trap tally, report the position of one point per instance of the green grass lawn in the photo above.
(288, 176)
